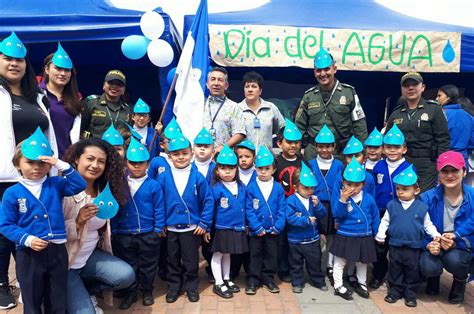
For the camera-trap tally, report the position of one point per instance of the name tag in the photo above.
(398, 121)
(313, 105)
(99, 113)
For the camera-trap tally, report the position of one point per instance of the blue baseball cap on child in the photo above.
(354, 172)
(178, 142)
(246, 144)
(264, 157)
(13, 47)
(291, 132)
(407, 177)
(172, 129)
(204, 137)
(136, 152)
(394, 136)
(61, 58)
(375, 138)
(325, 136)
(36, 145)
(307, 177)
(322, 59)
(227, 156)
(141, 107)
(354, 146)
(112, 136)
(108, 205)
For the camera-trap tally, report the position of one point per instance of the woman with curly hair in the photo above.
(92, 267)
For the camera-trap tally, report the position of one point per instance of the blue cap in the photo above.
(407, 177)
(141, 107)
(246, 144)
(394, 136)
(264, 157)
(108, 206)
(307, 177)
(134, 133)
(136, 152)
(375, 138)
(13, 47)
(227, 156)
(291, 132)
(322, 59)
(354, 146)
(325, 136)
(354, 172)
(178, 142)
(204, 138)
(36, 145)
(112, 136)
(172, 129)
(61, 58)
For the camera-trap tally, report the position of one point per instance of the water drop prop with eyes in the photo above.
(108, 206)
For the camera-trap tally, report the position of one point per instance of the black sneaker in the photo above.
(232, 286)
(375, 283)
(172, 296)
(6, 299)
(297, 289)
(272, 287)
(390, 298)
(222, 291)
(347, 294)
(410, 302)
(251, 289)
(128, 301)
(148, 298)
(361, 290)
(193, 295)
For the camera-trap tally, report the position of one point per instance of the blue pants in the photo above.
(309, 254)
(456, 261)
(404, 272)
(102, 272)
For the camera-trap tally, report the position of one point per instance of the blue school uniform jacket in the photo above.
(268, 216)
(210, 171)
(299, 226)
(384, 186)
(156, 145)
(142, 212)
(464, 220)
(229, 210)
(356, 220)
(194, 207)
(323, 190)
(460, 128)
(22, 214)
(158, 165)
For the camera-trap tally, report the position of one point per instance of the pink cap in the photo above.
(450, 158)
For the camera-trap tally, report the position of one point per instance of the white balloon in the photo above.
(160, 53)
(152, 25)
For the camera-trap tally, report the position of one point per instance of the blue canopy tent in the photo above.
(289, 83)
(91, 31)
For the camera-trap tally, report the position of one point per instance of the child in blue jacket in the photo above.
(373, 149)
(245, 151)
(203, 152)
(303, 210)
(141, 120)
(31, 215)
(136, 226)
(266, 212)
(358, 217)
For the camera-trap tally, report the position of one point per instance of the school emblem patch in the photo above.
(161, 170)
(349, 207)
(379, 178)
(22, 205)
(224, 202)
(298, 214)
(255, 203)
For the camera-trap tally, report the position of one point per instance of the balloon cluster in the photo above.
(159, 51)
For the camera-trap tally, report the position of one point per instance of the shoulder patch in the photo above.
(311, 89)
(347, 85)
(92, 97)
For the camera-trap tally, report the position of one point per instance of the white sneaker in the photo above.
(98, 310)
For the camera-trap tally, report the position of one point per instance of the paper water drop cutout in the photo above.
(108, 206)
(448, 52)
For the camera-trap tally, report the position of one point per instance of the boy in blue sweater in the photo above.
(303, 210)
(31, 216)
(141, 119)
(406, 221)
(373, 149)
(135, 227)
(245, 151)
(266, 210)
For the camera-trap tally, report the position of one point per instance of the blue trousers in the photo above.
(455, 261)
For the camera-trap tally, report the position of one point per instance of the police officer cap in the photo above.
(61, 58)
(141, 107)
(394, 136)
(112, 136)
(247, 144)
(407, 177)
(264, 157)
(307, 177)
(354, 146)
(322, 59)
(411, 76)
(115, 75)
(227, 156)
(178, 142)
(13, 47)
(136, 152)
(375, 138)
(325, 136)
(204, 137)
(291, 132)
(36, 145)
(354, 172)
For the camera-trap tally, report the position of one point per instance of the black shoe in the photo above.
(432, 286)
(297, 289)
(128, 301)
(222, 291)
(456, 294)
(251, 289)
(6, 299)
(390, 298)
(232, 286)
(375, 283)
(329, 274)
(285, 278)
(272, 287)
(193, 295)
(410, 302)
(347, 295)
(172, 296)
(148, 298)
(352, 280)
(361, 290)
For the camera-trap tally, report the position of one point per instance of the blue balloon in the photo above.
(134, 46)
(170, 76)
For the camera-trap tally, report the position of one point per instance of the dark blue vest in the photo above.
(406, 225)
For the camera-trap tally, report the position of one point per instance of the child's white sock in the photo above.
(226, 266)
(338, 271)
(361, 273)
(216, 266)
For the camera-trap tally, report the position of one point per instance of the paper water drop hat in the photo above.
(108, 205)
(394, 136)
(375, 138)
(307, 177)
(264, 157)
(13, 47)
(141, 107)
(204, 137)
(112, 136)
(407, 177)
(247, 144)
(227, 156)
(61, 59)
(172, 129)
(325, 136)
(354, 146)
(322, 59)
(291, 132)
(354, 172)
(137, 152)
(36, 145)
(178, 142)
(133, 132)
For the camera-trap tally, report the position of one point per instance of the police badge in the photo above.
(343, 100)
(255, 203)
(22, 205)
(224, 202)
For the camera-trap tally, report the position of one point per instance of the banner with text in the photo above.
(356, 50)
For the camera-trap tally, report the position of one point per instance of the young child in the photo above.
(203, 152)
(245, 151)
(135, 227)
(384, 173)
(303, 210)
(266, 214)
(289, 141)
(31, 215)
(373, 149)
(188, 216)
(326, 168)
(358, 218)
(114, 138)
(405, 221)
(230, 237)
(141, 119)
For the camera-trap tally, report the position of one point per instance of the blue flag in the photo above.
(192, 70)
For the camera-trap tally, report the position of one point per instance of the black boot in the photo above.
(456, 295)
(432, 286)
